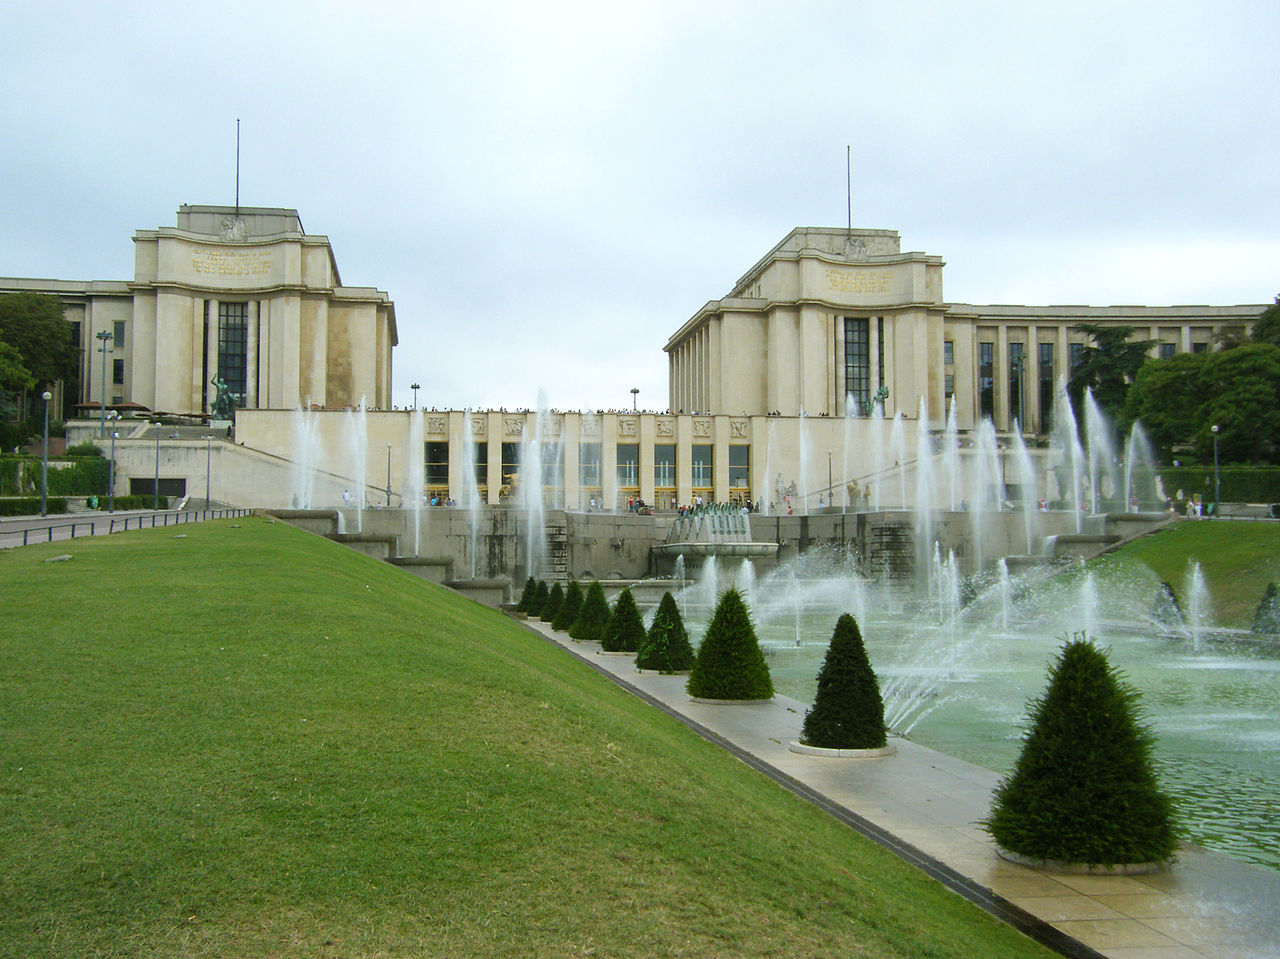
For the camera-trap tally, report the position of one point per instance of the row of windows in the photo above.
(436, 461)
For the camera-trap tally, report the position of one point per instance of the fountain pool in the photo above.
(960, 682)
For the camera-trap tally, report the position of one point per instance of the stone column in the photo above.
(251, 358)
(211, 356)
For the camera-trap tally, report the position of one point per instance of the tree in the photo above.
(527, 594)
(555, 599)
(14, 378)
(625, 631)
(569, 610)
(1241, 390)
(540, 594)
(1107, 367)
(593, 619)
(1167, 396)
(847, 712)
(1084, 788)
(666, 646)
(32, 324)
(729, 664)
(1266, 328)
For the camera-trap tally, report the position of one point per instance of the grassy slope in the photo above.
(1238, 561)
(247, 741)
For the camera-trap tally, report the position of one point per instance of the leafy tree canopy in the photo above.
(1266, 329)
(32, 324)
(1166, 396)
(1107, 367)
(1242, 398)
(13, 375)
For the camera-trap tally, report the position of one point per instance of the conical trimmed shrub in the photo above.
(1084, 788)
(555, 599)
(593, 619)
(1166, 610)
(729, 664)
(847, 712)
(666, 646)
(540, 594)
(569, 609)
(526, 595)
(1267, 618)
(625, 631)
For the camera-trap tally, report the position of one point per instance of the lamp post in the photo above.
(104, 337)
(111, 475)
(1217, 486)
(44, 456)
(155, 490)
(415, 387)
(388, 476)
(831, 489)
(635, 392)
(111, 467)
(208, 467)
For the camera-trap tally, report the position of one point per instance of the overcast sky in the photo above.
(547, 191)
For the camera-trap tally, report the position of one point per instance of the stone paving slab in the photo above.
(1208, 906)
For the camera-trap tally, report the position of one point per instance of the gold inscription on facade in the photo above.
(210, 261)
(862, 281)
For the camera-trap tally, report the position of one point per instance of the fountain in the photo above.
(471, 489)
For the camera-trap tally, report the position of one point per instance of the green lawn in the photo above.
(240, 740)
(1238, 560)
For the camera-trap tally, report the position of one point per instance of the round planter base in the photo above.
(728, 702)
(876, 753)
(1084, 868)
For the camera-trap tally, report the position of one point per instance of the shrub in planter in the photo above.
(570, 608)
(848, 712)
(625, 631)
(593, 619)
(526, 595)
(1084, 789)
(729, 664)
(666, 646)
(555, 599)
(84, 449)
(1267, 618)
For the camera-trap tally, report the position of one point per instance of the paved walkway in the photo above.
(925, 804)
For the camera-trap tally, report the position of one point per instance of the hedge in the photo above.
(1240, 484)
(85, 476)
(30, 505)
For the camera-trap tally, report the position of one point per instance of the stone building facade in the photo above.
(240, 294)
(830, 318)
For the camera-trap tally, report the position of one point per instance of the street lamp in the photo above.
(104, 336)
(111, 469)
(831, 489)
(44, 456)
(415, 387)
(1217, 486)
(635, 391)
(155, 490)
(208, 467)
(388, 476)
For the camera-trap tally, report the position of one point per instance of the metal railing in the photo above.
(113, 524)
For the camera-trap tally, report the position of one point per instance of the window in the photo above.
(703, 460)
(233, 339)
(1199, 347)
(481, 464)
(857, 362)
(589, 465)
(117, 371)
(1017, 364)
(510, 466)
(986, 379)
(436, 461)
(664, 464)
(880, 350)
(629, 464)
(1075, 352)
(949, 386)
(739, 466)
(117, 335)
(1168, 350)
(948, 353)
(1047, 388)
